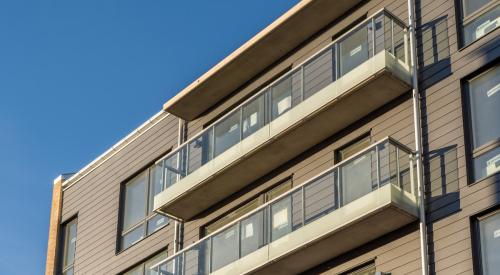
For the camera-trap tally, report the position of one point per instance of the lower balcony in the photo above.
(354, 202)
(357, 74)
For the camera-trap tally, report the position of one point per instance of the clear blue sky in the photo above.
(77, 75)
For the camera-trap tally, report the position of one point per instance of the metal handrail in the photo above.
(388, 140)
(267, 88)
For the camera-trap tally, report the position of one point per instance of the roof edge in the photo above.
(117, 147)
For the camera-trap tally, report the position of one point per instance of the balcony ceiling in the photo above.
(260, 52)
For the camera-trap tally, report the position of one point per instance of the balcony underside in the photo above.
(363, 220)
(280, 37)
(366, 88)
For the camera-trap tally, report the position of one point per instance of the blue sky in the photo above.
(77, 76)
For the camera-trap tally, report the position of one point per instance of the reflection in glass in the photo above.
(281, 213)
(253, 116)
(281, 96)
(227, 133)
(252, 233)
(354, 50)
(225, 247)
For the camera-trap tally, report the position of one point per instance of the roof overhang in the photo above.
(260, 52)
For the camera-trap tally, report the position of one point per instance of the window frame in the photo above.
(360, 267)
(463, 20)
(147, 217)
(472, 153)
(336, 152)
(477, 257)
(62, 267)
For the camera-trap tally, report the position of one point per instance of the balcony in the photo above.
(353, 76)
(356, 201)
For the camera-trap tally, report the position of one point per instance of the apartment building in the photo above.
(341, 139)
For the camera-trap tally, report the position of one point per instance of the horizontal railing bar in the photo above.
(291, 191)
(267, 88)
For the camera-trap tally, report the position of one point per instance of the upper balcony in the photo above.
(359, 200)
(261, 51)
(353, 76)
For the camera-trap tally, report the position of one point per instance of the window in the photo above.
(248, 207)
(352, 148)
(145, 268)
(68, 251)
(479, 17)
(365, 269)
(138, 218)
(487, 240)
(483, 94)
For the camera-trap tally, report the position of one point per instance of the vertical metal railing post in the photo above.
(405, 45)
(302, 189)
(398, 168)
(377, 158)
(392, 37)
(339, 188)
(373, 36)
(302, 83)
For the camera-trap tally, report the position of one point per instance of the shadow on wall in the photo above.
(442, 191)
(433, 51)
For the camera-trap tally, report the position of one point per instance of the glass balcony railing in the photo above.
(381, 32)
(386, 162)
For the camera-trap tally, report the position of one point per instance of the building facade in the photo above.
(313, 148)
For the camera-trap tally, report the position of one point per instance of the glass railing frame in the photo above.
(267, 92)
(389, 140)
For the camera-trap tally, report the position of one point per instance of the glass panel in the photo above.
(482, 25)
(69, 243)
(136, 271)
(490, 243)
(354, 50)
(281, 96)
(387, 163)
(281, 212)
(156, 222)
(296, 87)
(173, 266)
(404, 171)
(225, 247)
(156, 184)
(253, 116)
(227, 133)
(155, 260)
(319, 72)
(133, 236)
(135, 200)
(399, 42)
(485, 107)
(470, 6)
(200, 150)
(197, 259)
(252, 233)
(175, 167)
(487, 164)
(297, 209)
(380, 33)
(357, 177)
(320, 197)
(233, 215)
(69, 271)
